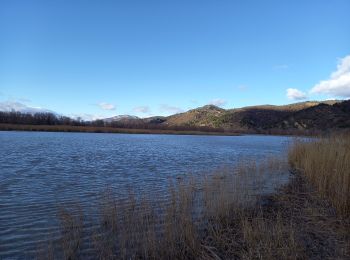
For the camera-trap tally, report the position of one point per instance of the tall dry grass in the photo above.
(326, 163)
(224, 214)
(212, 217)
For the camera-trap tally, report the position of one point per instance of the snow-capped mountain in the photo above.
(9, 106)
(121, 118)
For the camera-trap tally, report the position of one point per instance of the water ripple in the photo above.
(39, 171)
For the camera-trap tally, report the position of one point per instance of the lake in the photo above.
(41, 170)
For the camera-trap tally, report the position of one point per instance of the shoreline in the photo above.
(296, 209)
(114, 130)
(111, 130)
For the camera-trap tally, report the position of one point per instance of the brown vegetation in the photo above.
(299, 116)
(104, 129)
(326, 164)
(224, 215)
(184, 223)
(161, 130)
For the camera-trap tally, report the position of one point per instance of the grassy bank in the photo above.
(97, 129)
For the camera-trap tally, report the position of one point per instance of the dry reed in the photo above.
(222, 215)
(326, 163)
(196, 218)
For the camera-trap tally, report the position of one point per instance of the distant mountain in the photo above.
(202, 116)
(121, 118)
(322, 117)
(292, 107)
(303, 115)
(268, 117)
(310, 115)
(9, 106)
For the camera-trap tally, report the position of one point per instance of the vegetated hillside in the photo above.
(208, 115)
(303, 115)
(294, 106)
(310, 115)
(321, 117)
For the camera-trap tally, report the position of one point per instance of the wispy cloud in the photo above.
(218, 102)
(142, 109)
(106, 106)
(295, 94)
(170, 109)
(339, 82)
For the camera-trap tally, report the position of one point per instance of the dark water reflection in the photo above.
(39, 171)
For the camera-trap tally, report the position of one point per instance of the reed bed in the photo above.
(232, 213)
(182, 224)
(326, 164)
(211, 217)
(116, 130)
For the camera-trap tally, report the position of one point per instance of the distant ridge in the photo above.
(294, 106)
(301, 115)
(291, 116)
(309, 115)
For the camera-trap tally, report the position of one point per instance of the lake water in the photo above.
(39, 171)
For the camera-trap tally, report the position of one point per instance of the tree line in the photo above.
(37, 119)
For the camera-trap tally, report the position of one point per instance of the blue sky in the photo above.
(103, 58)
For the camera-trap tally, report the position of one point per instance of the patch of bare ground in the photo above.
(319, 231)
(294, 223)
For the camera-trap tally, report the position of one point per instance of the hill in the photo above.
(303, 115)
(310, 115)
(203, 116)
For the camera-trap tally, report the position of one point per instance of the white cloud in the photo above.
(339, 82)
(106, 106)
(295, 94)
(9, 106)
(142, 109)
(170, 109)
(218, 102)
